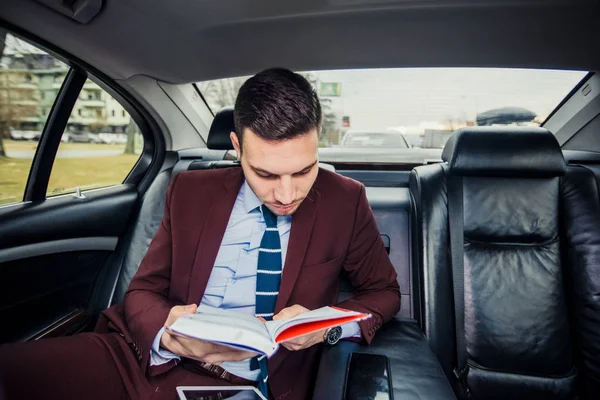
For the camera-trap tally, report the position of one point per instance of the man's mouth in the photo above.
(284, 208)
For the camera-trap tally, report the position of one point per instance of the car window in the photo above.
(422, 106)
(100, 146)
(29, 83)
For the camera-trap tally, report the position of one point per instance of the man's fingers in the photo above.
(174, 313)
(208, 352)
(295, 342)
(229, 356)
(180, 311)
(174, 334)
(292, 346)
(203, 351)
(217, 349)
(290, 312)
(174, 345)
(304, 341)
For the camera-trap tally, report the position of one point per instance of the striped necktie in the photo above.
(268, 271)
(268, 278)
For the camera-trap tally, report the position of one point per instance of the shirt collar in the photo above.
(251, 201)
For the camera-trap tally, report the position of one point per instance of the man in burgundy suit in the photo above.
(207, 251)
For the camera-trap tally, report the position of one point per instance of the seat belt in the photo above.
(456, 223)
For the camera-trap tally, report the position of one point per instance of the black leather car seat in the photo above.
(529, 273)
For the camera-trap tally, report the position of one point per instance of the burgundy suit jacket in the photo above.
(333, 229)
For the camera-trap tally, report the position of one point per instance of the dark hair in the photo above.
(277, 104)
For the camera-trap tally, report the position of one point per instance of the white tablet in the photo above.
(219, 392)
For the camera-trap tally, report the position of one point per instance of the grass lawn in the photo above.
(67, 173)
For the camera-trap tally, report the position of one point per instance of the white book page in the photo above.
(226, 327)
(320, 314)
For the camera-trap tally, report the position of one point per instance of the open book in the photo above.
(246, 332)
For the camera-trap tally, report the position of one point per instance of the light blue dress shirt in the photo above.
(232, 282)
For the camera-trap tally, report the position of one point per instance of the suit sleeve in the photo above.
(146, 305)
(371, 272)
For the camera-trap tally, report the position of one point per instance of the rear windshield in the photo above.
(406, 115)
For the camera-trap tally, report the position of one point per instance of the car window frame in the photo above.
(154, 148)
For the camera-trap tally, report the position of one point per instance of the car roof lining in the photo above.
(201, 40)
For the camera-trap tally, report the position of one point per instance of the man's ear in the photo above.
(236, 143)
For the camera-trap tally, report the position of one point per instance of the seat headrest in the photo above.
(218, 135)
(504, 151)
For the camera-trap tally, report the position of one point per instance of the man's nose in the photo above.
(285, 193)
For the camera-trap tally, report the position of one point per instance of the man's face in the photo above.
(281, 173)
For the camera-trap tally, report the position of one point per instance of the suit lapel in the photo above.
(220, 207)
(302, 224)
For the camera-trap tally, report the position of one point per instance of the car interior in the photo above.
(496, 244)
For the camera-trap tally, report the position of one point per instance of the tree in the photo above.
(2, 133)
(131, 130)
(329, 127)
(15, 99)
(2, 151)
(453, 123)
(13, 107)
(329, 123)
(97, 126)
(221, 93)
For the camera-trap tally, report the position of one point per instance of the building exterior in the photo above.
(29, 83)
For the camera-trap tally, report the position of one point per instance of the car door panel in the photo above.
(39, 291)
(102, 213)
(51, 256)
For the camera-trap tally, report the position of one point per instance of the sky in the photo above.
(407, 97)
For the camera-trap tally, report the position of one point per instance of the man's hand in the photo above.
(194, 348)
(304, 341)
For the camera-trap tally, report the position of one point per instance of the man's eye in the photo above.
(301, 173)
(267, 176)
